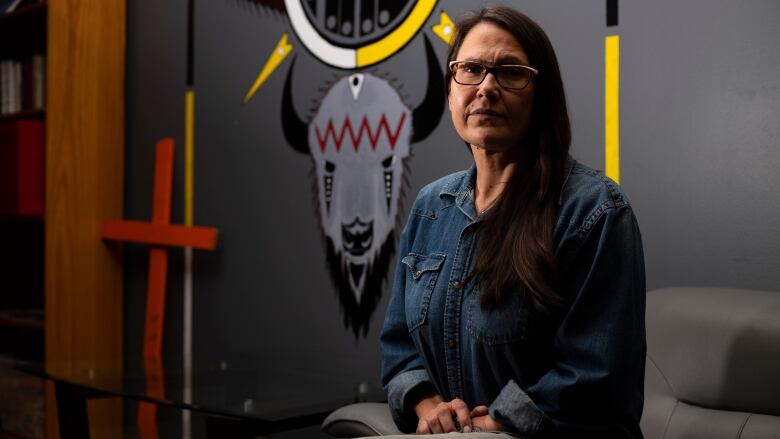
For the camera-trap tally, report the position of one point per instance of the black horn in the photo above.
(427, 115)
(295, 129)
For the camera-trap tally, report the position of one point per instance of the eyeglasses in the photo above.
(510, 76)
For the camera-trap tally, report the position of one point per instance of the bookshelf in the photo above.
(74, 284)
(22, 35)
(22, 326)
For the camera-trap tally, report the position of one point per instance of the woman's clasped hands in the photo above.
(437, 416)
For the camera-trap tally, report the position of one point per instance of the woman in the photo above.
(518, 300)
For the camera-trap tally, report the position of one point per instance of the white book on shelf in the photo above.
(18, 92)
(10, 73)
(39, 81)
(4, 86)
(11, 87)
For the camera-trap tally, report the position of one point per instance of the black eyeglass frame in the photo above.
(492, 69)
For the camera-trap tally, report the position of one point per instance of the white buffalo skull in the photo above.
(359, 139)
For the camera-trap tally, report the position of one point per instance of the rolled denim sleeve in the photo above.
(399, 389)
(403, 369)
(596, 382)
(513, 407)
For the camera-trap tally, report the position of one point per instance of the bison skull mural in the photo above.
(359, 140)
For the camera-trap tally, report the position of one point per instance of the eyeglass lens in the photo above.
(507, 76)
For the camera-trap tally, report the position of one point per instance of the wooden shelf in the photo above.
(21, 323)
(84, 117)
(5, 218)
(4, 435)
(22, 319)
(30, 114)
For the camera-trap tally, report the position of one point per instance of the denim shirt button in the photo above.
(457, 286)
(417, 274)
(451, 343)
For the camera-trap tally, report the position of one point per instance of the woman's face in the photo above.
(487, 115)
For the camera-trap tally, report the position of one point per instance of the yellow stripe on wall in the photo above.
(189, 157)
(611, 107)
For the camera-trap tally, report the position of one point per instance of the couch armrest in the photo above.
(361, 419)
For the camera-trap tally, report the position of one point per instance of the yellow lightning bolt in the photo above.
(282, 49)
(445, 29)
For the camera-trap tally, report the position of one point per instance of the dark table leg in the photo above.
(71, 411)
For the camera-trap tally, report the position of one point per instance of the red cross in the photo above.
(159, 234)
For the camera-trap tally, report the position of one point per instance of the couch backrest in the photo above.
(713, 364)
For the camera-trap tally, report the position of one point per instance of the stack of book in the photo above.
(22, 84)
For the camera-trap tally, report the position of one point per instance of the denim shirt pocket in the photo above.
(498, 325)
(423, 270)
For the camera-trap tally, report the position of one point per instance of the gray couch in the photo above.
(713, 364)
(713, 369)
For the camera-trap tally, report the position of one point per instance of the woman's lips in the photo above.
(485, 112)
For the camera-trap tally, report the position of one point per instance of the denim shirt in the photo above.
(576, 368)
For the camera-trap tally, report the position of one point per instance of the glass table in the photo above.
(240, 400)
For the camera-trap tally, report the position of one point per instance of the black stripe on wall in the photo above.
(612, 12)
(190, 40)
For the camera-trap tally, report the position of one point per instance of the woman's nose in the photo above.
(488, 86)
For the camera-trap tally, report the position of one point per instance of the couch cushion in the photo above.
(761, 427)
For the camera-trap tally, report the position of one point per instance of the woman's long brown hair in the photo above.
(515, 249)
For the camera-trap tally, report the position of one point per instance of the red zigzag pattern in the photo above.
(346, 127)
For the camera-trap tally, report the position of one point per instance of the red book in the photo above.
(22, 167)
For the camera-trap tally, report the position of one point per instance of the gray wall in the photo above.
(701, 98)
(700, 94)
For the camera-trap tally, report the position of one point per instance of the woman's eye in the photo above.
(472, 68)
(513, 72)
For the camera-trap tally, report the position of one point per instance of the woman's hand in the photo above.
(437, 416)
(482, 420)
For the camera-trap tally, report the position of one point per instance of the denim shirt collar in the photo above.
(462, 188)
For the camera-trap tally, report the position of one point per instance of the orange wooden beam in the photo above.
(153, 338)
(158, 233)
(163, 182)
(155, 293)
(202, 238)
